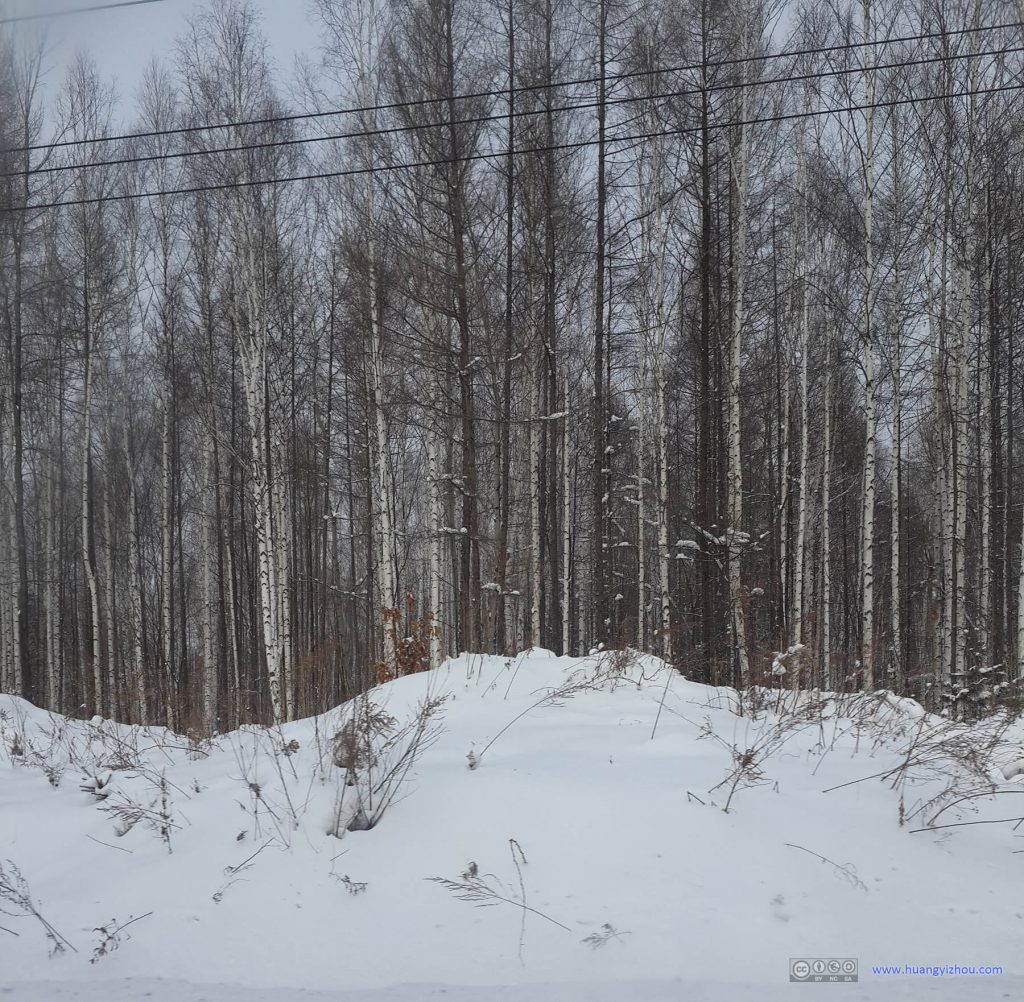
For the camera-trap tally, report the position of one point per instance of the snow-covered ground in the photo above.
(594, 850)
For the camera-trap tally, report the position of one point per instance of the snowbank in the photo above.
(588, 845)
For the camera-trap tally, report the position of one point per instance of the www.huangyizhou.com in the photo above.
(934, 970)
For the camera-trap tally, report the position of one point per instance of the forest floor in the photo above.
(534, 829)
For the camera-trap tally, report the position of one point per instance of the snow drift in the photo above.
(563, 828)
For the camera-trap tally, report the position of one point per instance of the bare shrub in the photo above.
(16, 901)
(354, 887)
(352, 746)
(603, 936)
(21, 751)
(16, 746)
(487, 890)
(198, 745)
(283, 804)
(378, 754)
(98, 785)
(609, 671)
(749, 757)
(232, 872)
(156, 816)
(962, 760)
(13, 737)
(112, 935)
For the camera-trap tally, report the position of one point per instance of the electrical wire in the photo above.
(486, 119)
(504, 154)
(507, 91)
(71, 11)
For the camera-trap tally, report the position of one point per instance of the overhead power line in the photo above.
(71, 11)
(509, 92)
(501, 117)
(504, 154)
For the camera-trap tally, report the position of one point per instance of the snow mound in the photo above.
(621, 826)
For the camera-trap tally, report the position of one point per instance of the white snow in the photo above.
(642, 886)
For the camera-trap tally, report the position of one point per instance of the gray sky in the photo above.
(123, 41)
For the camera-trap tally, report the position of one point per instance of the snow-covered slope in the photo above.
(594, 849)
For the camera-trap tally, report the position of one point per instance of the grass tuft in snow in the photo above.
(354, 887)
(486, 890)
(112, 935)
(17, 902)
(603, 936)
(376, 753)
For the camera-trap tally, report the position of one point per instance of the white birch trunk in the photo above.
(234, 699)
(271, 549)
(18, 666)
(384, 502)
(784, 485)
(826, 525)
(166, 561)
(896, 473)
(535, 501)
(947, 485)
(948, 522)
(985, 504)
(92, 584)
(799, 558)
(50, 601)
(267, 575)
(867, 546)
(985, 401)
(436, 525)
(960, 486)
(895, 584)
(110, 601)
(10, 674)
(207, 608)
(1020, 616)
(665, 617)
(735, 539)
(366, 49)
(654, 441)
(661, 422)
(270, 595)
(943, 479)
(136, 597)
(566, 532)
(282, 535)
(641, 514)
(797, 625)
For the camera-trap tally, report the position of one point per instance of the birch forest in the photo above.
(689, 326)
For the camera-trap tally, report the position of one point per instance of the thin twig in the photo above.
(962, 824)
(661, 704)
(121, 928)
(863, 779)
(514, 846)
(846, 870)
(248, 860)
(121, 848)
(966, 797)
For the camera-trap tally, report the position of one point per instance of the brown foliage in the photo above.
(412, 651)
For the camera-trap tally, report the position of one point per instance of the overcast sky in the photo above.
(123, 41)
